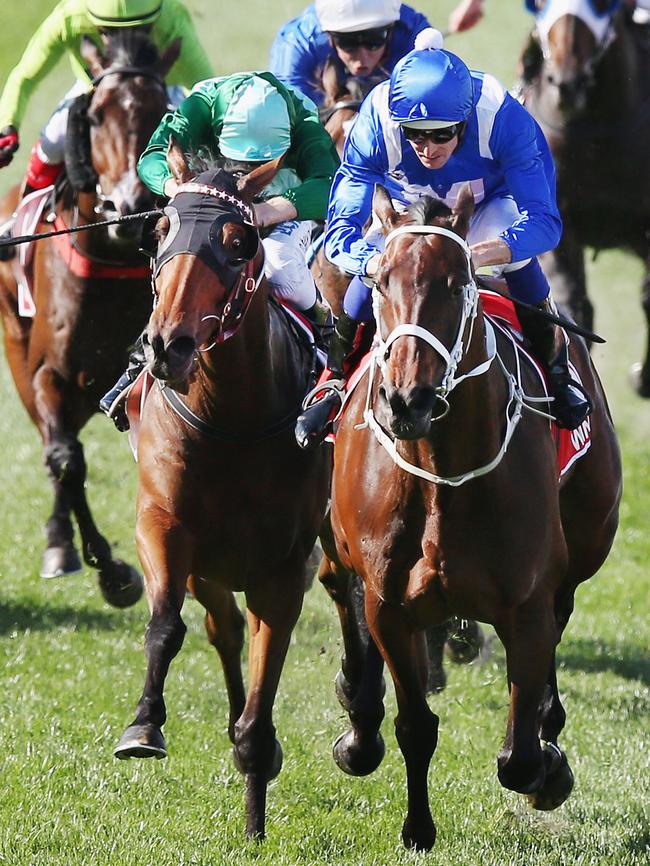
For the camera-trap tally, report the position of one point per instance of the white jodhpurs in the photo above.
(51, 145)
(286, 267)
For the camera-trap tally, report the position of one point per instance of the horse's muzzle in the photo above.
(408, 412)
(172, 362)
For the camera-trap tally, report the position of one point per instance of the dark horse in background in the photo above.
(593, 103)
(68, 355)
(226, 501)
(460, 513)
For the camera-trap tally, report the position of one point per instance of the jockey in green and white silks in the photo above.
(251, 117)
(61, 33)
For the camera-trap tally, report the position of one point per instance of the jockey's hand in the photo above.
(465, 15)
(492, 252)
(274, 211)
(8, 145)
(171, 187)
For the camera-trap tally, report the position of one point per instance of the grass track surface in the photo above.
(72, 668)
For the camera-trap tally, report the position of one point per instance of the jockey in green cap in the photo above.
(250, 118)
(62, 32)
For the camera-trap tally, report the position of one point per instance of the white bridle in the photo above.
(452, 358)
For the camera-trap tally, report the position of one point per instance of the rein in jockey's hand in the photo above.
(171, 187)
(275, 210)
(8, 145)
(494, 252)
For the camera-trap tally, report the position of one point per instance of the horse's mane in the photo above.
(126, 46)
(429, 211)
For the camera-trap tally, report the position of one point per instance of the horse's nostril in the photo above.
(181, 348)
(421, 398)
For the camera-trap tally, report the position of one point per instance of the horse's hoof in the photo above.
(637, 380)
(558, 783)
(276, 764)
(356, 759)
(466, 642)
(420, 838)
(141, 741)
(60, 561)
(120, 584)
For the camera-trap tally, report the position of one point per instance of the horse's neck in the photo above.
(246, 379)
(616, 90)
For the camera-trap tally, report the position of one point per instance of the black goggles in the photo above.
(438, 136)
(370, 39)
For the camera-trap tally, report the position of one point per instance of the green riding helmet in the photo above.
(256, 126)
(123, 13)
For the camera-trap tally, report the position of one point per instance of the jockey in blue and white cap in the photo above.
(365, 38)
(434, 127)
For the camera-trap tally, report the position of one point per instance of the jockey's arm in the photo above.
(191, 126)
(292, 61)
(42, 53)
(465, 15)
(520, 148)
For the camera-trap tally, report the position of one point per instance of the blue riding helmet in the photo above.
(433, 85)
(256, 126)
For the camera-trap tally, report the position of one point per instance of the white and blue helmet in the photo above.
(430, 87)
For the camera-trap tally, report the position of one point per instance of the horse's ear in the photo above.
(255, 181)
(92, 56)
(176, 161)
(169, 57)
(382, 206)
(463, 210)
(330, 81)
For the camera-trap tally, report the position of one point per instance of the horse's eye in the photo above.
(456, 290)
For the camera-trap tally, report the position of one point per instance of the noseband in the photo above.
(452, 358)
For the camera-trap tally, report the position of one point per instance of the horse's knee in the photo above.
(165, 634)
(228, 639)
(65, 461)
(256, 749)
(417, 737)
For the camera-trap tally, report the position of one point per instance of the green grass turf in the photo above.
(72, 668)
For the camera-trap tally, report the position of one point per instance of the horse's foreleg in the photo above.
(529, 637)
(224, 624)
(165, 554)
(416, 726)
(66, 467)
(360, 683)
(273, 609)
(565, 268)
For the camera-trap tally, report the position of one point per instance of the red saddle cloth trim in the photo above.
(570, 445)
(81, 266)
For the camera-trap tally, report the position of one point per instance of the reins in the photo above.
(24, 239)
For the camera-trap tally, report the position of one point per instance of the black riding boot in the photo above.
(571, 403)
(113, 403)
(346, 342)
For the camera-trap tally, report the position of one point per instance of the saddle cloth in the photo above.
(28, 215)
(570, 445)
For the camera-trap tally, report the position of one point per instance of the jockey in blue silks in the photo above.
(366, 38)
(432, 128)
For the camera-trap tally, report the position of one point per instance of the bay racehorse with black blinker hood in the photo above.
(92, 294)
(226, 501)
(446, 500)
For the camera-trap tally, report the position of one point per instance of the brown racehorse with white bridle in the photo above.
(446, 500)
(92, 299)
(591, 96)
(227, 501)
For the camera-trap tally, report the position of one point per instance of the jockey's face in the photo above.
(361, 52)
(432, 154)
